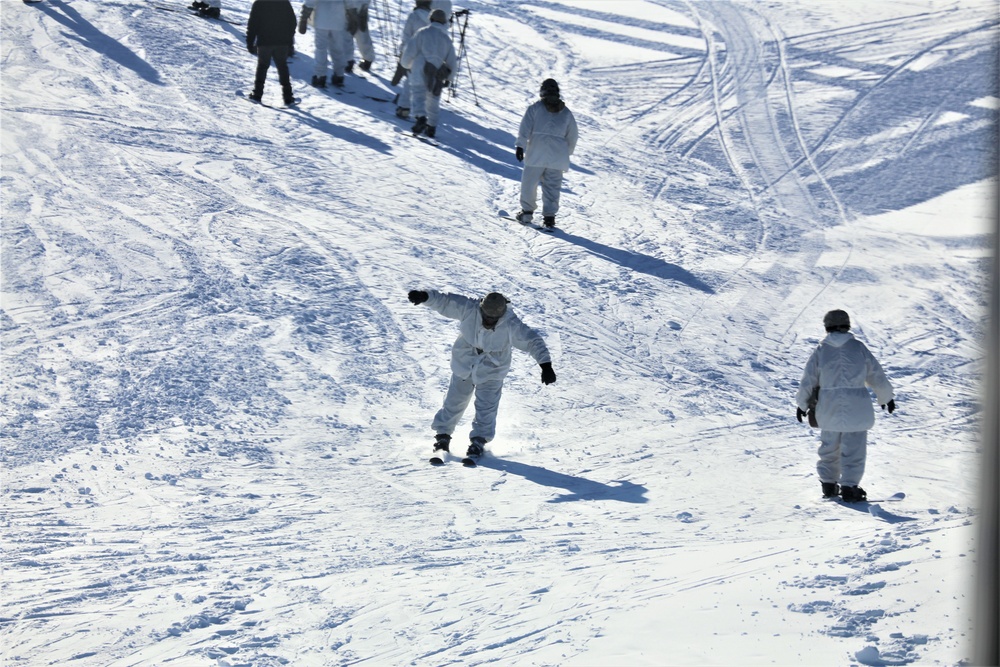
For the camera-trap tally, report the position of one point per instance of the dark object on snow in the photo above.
(417, 297)
(853, 494)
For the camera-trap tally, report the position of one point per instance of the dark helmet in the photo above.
(550, 88)
(438, 16)
(493, 305)
(837, 320)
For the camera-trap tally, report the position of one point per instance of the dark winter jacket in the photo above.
(271, 23)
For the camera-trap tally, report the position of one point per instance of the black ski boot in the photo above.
(419, 126)
(337, 81)
(430, 131)
(441, 443)
(549, 221)
(853, 494)
(349, 67)
(476, 448)
(319, 81)
(830, 489)
(366, 65)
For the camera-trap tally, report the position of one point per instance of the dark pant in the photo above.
(279, 54)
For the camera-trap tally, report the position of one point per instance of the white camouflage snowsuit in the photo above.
(480, 360)
(431, 44)
(329, 30)
(548, 139)
(843, 369)
(357, 19)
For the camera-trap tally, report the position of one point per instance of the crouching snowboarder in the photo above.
(842, 369)
(480, 360)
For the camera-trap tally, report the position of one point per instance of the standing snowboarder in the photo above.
(417, 19)
(430, 58)
(270, 35)
(358, 35)
(329, 32)
(843, 370)
(545, 140)
(480, 360)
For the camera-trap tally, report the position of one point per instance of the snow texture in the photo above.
(216, 398)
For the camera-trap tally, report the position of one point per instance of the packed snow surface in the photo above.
(217, 398)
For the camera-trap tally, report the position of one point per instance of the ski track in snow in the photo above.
(217, 398)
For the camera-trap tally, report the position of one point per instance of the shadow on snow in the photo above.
(579, 488)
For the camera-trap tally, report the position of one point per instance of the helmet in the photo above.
(550, 87)
(836, 319)
(438, 16)
(493, 305)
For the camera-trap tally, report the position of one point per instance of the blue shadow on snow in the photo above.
(92, 38)
(640, 263)
(579, 488)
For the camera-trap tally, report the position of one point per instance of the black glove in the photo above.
(417, 297)
(252, 48)
(548, 375)
(891, 406)
(519, 154)
(799, 413)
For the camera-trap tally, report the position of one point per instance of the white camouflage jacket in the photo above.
(480, 353)
(843, 369)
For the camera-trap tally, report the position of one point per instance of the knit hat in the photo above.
(438, 16)
(836, 319)
(493, 305)
(549, 87)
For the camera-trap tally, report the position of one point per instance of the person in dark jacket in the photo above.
(270, 36)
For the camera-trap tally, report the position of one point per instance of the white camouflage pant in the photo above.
(551, 182)
(329, 46)
(460, 393)
(842, 457)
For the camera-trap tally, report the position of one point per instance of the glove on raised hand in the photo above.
(548, 375)
(519, 154)
(890, 406)
(417, 297)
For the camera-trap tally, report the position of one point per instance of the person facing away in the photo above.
(417, 19)
(835, 384)
(545, 140)
(329, 29)
(480, 360)
(270, 35)
(430, 58)
(358, 35)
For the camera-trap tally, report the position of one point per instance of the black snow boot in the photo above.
(442, 441)
(430, 131)
(319, 81)
(366, 65)
(212, 12)
(830, 489)
(419, 126)
(337, 81)
(197, 4)
(549, 221)
(853, 494)
(349, 67)
(476, 448)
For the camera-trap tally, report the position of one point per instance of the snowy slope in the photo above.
(217, 399)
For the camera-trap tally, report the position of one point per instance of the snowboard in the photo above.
(419, 137)
(534, 225)
(246, 96)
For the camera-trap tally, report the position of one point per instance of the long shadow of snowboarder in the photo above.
(638, 262)
(878, 511)
(579, 488)
(88, 35)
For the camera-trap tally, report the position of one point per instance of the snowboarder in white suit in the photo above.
(545, 140)
(480, 360)
(843, 370)
(430, 58)
(329, 31)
